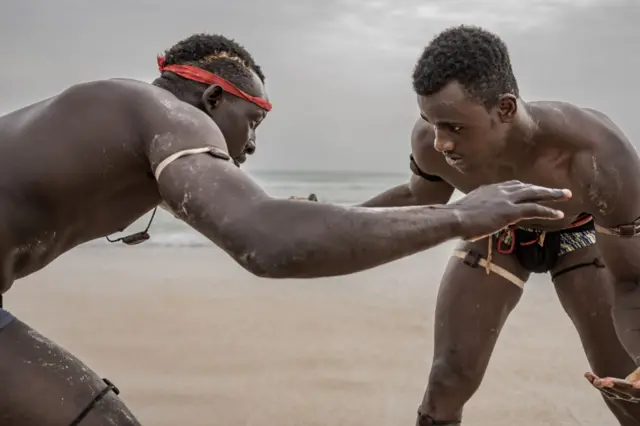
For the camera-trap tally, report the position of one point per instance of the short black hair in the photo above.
(475, 58)
(217, 54)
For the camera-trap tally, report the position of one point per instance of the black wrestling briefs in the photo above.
(538, 251)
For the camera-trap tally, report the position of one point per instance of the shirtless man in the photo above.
(93, 159)
(475, 130)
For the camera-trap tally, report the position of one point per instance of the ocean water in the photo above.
(344, 188)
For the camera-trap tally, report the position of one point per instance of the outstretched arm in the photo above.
(422, 188)
(281, 238)
(418, 192)
(611, 179)
(288, 238)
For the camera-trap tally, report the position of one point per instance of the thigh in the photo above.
(44, 385)
(472, 307)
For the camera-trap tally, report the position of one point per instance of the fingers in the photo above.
(590, 377)
(536, 194)
(601, 382)
(611, 382)
(615, 388)
(635, 376)
(512, 183)
(516, 185)
(530, 211)
(622, 386)
(632, 380)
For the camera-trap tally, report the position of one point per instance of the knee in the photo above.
(450, 387)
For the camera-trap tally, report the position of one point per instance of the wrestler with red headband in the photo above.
(96, 157)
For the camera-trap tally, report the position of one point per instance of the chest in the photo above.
(553, 170)
(39, 235)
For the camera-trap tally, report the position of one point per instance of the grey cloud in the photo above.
(338, 71)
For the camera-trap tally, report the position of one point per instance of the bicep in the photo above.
(196, 178)
(613, 194)
(416, 192)
(211, 195)
(426, 192)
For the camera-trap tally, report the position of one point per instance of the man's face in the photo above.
(238, 120)
(467, 134)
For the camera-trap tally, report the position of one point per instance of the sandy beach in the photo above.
(190, 338)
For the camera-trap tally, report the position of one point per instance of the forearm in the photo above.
(292, 239)
(397, 196)
(281, 238)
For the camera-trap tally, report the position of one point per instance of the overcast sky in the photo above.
(338, 71)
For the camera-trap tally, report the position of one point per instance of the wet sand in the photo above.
(190, 338)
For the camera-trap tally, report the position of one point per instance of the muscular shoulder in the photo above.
(152, 111)
(422, 137)
(173, 125)
(163, 124)
(427, 158)
(107, 113)
(589, 133)
(574, 126)
(593, 135)
(606, 166)
(128, 96)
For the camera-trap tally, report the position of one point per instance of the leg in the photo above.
(583, 293)
(44, 385)
(471, 309)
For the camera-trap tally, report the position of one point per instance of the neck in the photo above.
(183, 90)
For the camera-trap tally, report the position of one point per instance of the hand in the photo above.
(490, 208)
(310, 197)
(626, 390)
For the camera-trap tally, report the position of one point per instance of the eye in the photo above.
(453, 128)
(255, 122)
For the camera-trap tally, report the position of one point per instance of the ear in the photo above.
(211, 98)
(507, 107)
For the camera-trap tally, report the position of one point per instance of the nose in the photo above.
(250, 148)
(441, 143)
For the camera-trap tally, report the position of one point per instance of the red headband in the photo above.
(201, 76)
